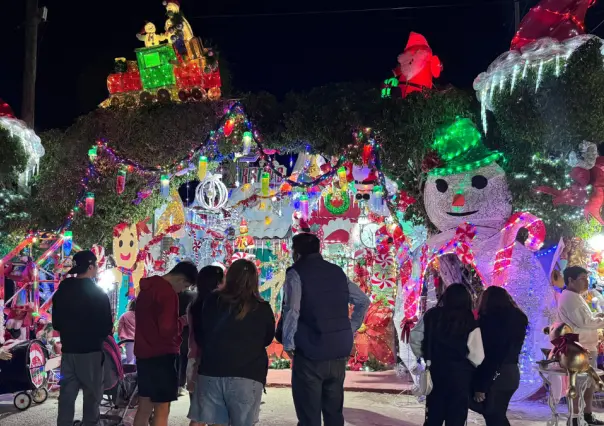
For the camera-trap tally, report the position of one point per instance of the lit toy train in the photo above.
(172, 67)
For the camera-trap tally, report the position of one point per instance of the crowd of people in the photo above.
(226, 326)
(213, 341)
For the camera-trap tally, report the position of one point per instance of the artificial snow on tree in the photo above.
(468, 200)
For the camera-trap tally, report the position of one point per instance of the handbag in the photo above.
(425, 385)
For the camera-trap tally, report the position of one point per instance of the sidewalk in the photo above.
(356, 381)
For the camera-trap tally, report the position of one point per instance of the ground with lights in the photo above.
(431, 193)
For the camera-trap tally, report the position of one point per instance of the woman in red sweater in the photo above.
(209, 279)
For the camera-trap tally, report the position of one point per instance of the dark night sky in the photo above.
(274, 53)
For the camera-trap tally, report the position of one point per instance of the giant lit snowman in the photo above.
(468, 200)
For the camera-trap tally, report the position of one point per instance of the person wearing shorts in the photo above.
(157, 341)
(233, 327)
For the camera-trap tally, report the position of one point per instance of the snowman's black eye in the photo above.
(479, 182)
(121, 243)
(442, 185)
(131, 243)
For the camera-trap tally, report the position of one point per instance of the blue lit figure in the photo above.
(67, 245)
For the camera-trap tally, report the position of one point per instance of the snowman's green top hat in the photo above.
(460, 148)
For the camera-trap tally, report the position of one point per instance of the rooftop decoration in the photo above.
(172, 67)
(28, 138)
(416, 68)
(548, 35)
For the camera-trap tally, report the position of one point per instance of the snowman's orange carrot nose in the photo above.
(458, 200)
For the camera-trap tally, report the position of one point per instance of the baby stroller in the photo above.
(25, 374)
(120, 387)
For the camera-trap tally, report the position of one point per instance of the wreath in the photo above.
(337, 210)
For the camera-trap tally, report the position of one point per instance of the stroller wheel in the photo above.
(39, 395)
(22, 401)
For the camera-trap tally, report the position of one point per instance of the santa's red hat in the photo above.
(243, 222)
(6, 110)
(417, 40)
(304, 226)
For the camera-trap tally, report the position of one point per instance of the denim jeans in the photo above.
(230, 401)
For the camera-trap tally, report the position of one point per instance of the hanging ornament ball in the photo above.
(211, 194)
(186, 191)
(229, 126)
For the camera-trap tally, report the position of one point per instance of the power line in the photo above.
(350, 11)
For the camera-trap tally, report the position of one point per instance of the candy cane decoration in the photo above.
(99, 252)
(503, 258)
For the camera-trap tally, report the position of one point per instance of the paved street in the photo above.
(362, 409)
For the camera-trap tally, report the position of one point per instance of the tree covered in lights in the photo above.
(540, 121)
(13, 160)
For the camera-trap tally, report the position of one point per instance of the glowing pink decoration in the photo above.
(89, 204)
(120, 183)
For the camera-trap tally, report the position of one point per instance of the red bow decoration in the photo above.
(431, 161)
(376, 335)
(159, 265)
(388, 235)
(142, 228)
(174, 250)
(405, 200)
(576, 194)
(407, 324)
(562, 343)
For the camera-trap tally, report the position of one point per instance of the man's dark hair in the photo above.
(186, 269)
(305, 244)
(573, 272)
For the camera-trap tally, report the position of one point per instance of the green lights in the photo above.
(460, 147)
(155, 66)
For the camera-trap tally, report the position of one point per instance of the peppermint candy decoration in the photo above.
(242, 255)
(384, 260)
(382, 280)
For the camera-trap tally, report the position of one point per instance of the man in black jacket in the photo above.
(82, 315)
(316, 331)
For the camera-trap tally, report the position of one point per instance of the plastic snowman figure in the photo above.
(469, 187)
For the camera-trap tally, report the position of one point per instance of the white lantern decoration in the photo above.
(211, 194)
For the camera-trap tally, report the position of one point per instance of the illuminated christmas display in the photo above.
(172, 67)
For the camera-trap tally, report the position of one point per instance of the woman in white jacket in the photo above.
(449, 340)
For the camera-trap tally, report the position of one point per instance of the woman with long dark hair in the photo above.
(208, 280)
(234, 329)
(452, 347)
(503, 327)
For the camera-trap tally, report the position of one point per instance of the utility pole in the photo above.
(33, 17)
(516, 15)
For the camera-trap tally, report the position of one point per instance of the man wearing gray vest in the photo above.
(317, 331)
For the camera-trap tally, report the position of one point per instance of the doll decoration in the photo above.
(129, 269)
(179, 32)
(149, 35)
(244, 241)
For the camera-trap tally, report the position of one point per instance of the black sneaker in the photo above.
(592, 421)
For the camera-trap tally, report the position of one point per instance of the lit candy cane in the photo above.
(534, 241)
(99, 252)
